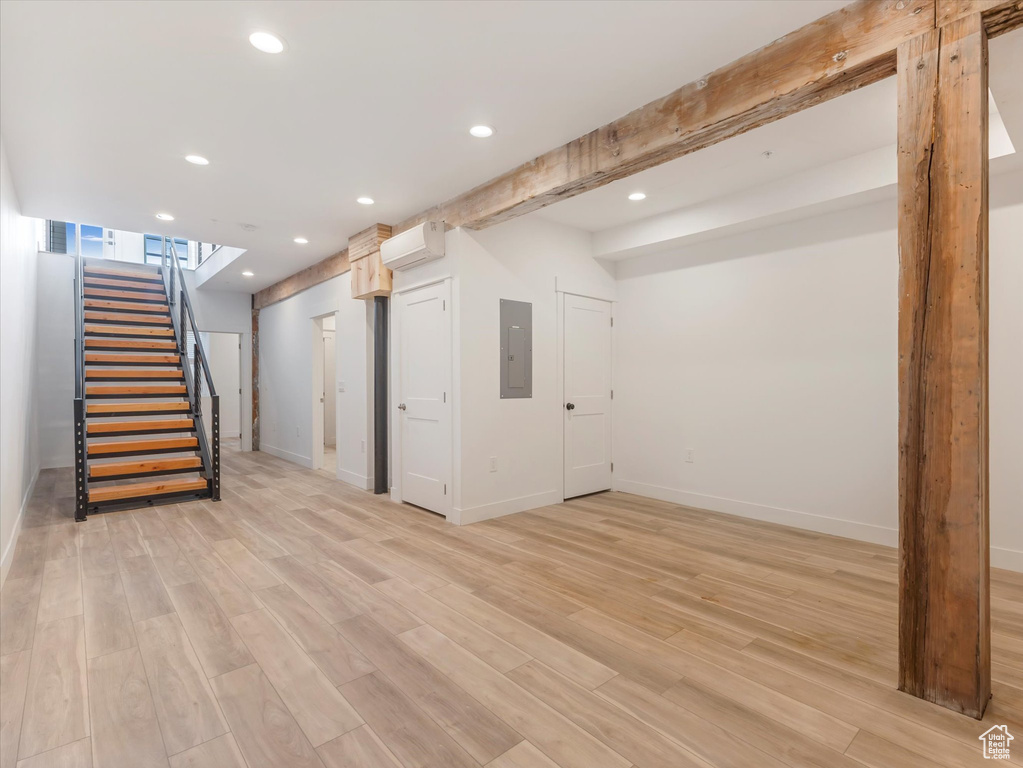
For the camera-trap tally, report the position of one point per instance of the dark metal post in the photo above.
(215, 453)
(380, 308)
(81, 435)
(81, 481)
(184, 334)
(197, 386)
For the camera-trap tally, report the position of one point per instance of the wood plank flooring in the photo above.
(301, 622)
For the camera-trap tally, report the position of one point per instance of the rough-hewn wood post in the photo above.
(944, 632)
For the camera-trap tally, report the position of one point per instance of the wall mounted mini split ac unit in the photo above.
(413, 247)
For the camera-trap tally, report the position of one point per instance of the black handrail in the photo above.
(177, 295)
(81, 478)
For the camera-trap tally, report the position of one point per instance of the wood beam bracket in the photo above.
(370, 278)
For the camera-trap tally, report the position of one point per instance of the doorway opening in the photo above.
(324, 393)
(224, 351)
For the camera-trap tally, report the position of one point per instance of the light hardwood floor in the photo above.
(300, 622)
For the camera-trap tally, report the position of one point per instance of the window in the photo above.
(154, 250)
(64, 237)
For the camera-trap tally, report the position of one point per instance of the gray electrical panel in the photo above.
(516, 349)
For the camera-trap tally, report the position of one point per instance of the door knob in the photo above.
(401, 406)
(570, 406)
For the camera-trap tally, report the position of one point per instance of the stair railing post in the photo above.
(81, 477)
(197, 390)
(215, 457)
(181, 328)
(168, 256)
(81, 481)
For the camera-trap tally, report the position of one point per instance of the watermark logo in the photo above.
(996, 742)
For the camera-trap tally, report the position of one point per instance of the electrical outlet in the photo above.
(689, 456)
(340, 386)
(493, 463)
(363, 446)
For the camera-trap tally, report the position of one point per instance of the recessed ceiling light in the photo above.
(266, 42)
(246, 273)
(197, 160)
(638, 196)
(164, 217)
(301, 240)
(482, 131)
(365, 200)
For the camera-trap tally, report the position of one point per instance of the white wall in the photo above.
(55, 361)
(19, 447)
(285, 383)
(522, 260)
(773, 356)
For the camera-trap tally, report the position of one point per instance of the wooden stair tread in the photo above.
(169, 389)
(137, 285)
(134, 344)
(153, 425)
(97, 357)
(134, 374)
(126, 319)
(127, 330)
(144, 466)
(126, 306)
(121, 295)
(139, 490)
(134, 446)
(120, 409)
(136, 275)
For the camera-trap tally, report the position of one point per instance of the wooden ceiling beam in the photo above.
(845, 50)
(998, 16)
(321, 271)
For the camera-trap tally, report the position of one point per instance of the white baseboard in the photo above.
(508, 507)
(1009, 559)
(353, 478)
(280, 453)
(1001, 557)
(850, 529)
(8, 553)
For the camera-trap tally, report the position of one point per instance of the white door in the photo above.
(329, 395)
(223, 350)
(587, 406)
(425, 405)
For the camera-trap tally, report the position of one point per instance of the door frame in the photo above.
(560, 385)
(453, 511)
(316, 387)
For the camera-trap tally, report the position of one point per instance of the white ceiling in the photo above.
(840, 128)
(102, 100)
(839, 153)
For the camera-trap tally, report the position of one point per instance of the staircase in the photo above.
(139, 434)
